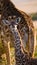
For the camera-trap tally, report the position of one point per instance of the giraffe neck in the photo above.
(17, 47)
(20, 56)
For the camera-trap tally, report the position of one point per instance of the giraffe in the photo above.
(21, 56)
(20, 53)
(5, 37)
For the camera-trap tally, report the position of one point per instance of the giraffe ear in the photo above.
(5, 22)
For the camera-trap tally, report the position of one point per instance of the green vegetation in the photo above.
(35, 52)
(34, 16)
(3, 60)
(2, 50)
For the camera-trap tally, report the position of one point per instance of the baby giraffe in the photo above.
(21, 56)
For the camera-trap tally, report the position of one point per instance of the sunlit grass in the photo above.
(36, 46)
(35, 52)
(3, 61)
(13, 56)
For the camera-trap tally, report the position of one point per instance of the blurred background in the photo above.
(30, 7)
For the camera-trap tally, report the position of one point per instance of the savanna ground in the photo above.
(3, 60)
